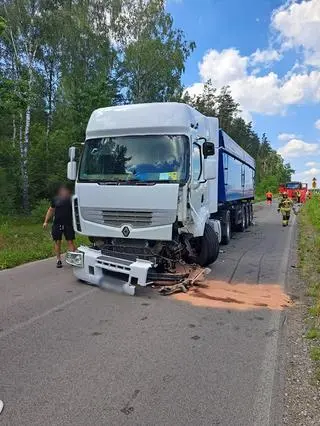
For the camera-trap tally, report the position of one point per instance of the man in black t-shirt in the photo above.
(61, 210)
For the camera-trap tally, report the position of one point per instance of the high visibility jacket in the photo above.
(298, 194)
(269, 194)
(285, 204)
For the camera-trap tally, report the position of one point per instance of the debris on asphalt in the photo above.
(220, 294)
(195, 274)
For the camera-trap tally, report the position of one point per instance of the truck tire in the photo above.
(242, 225)
(226, 228)
(214, 247)
(208, 247)
(246, 210)
(250, 206)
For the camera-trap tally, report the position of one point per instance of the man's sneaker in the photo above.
(59, 264)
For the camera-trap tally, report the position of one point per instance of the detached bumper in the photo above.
(116, 274)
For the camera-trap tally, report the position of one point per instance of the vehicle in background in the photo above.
(158, 185)
(293, 189)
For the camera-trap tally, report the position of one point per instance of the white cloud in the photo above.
(298, 148)
(223, 67)
(265, 56)
(299, 27)
(266, 94)
(311, 172)
(296, 25)
(195, 89)
(311, 164)
(286, 136)
(317, 124)
(308, 175)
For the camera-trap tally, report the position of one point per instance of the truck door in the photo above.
(197, 190)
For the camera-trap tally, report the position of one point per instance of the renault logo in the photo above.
(126, 231)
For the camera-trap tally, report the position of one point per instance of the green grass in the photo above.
(313, 333)
(309, 263)
(23, 240)
(315, 354)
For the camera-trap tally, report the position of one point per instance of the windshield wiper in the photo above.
(121, 182)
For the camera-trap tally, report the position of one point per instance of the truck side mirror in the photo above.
(72, 170)
(208, 149)
(72, 153)
(72, 164)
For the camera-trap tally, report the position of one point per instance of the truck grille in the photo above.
(135, 218)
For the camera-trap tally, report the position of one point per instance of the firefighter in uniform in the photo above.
(298, 195)
(285, 207)
(269, 196)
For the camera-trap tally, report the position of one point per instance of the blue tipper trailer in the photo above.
(236, 187)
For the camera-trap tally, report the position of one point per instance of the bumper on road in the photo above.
(116, 274)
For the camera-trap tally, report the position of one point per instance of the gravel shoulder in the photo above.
(301, 389)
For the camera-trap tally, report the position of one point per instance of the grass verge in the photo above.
(309, 263)
(22, 240)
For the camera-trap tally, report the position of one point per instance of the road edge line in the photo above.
(262, 408)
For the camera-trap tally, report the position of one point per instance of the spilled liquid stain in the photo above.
(220, 294)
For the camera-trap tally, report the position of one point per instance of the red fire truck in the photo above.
(292, 188)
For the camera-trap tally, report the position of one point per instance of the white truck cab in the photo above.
(145, 193)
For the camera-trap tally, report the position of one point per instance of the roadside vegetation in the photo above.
(309, 263)
(24, 239)
(61, 60)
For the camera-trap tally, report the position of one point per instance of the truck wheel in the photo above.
(242, 225)
(214, 246)
(226, 228)
(250, 207)
(246, 211)
(206, 247)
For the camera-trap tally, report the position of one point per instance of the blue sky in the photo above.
(268, 51)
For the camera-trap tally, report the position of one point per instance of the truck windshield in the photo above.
(135, 159)
(293, 185)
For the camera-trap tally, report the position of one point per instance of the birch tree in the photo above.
(22, 37)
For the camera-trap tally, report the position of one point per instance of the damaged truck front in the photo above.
(146, 195)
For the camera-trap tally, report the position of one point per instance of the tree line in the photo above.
(61, 59)
(270, 167)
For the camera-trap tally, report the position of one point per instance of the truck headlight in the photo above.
(75, 258)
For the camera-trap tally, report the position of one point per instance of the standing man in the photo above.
(285, 207)
(298, 195)
(61, 211)
(269, 196)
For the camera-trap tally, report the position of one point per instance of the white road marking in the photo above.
(21, 325)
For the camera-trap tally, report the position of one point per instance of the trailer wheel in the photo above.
(247, 214)
(250, 207)
(207, 247)
(242, 225)
(226, 228)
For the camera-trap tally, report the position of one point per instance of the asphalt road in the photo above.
(71, 354)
